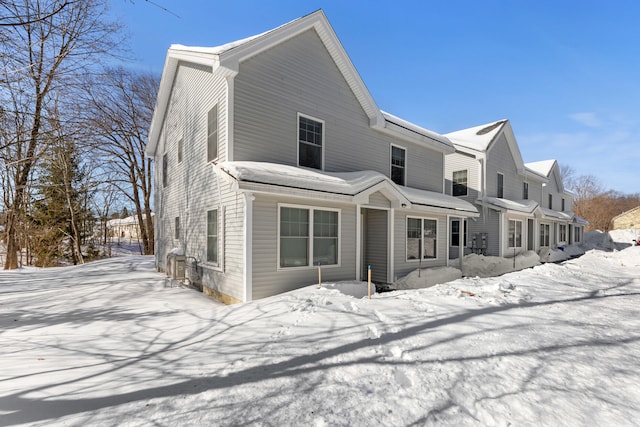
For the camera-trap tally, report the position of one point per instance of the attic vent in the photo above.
(488, 129)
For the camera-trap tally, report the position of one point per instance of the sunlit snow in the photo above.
(114, 343)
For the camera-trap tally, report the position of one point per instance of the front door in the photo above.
(530, 235)
(375, 242)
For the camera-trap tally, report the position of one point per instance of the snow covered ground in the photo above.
(111, 343)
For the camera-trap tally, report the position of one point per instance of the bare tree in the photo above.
(56, 42)
(568, 174)
(121, 108)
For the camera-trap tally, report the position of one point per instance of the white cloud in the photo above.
(587, 119)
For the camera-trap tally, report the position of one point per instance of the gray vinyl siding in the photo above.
(193, 187)
(456, 162)
(402, 265)
(268, 279)
(500, 159)
(489, 222)
(299, 76)
(378, 200)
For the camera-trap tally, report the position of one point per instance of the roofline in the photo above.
(231, 59)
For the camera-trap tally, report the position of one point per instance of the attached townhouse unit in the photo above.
(522, 206)
(273, 160)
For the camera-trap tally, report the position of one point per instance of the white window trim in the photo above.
(466, 186)
(548, 234)
(406, 239)
(514, 235)
(561, 238)
(464, 233)
(311, 210)
(324, 132)
(498, 187)
(217, 266)
(391, 162)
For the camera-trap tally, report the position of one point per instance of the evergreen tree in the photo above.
(61, 215)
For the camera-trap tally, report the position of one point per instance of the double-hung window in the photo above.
(500, 189)
(515, 233)
(459, 183)
(308, 236)
(544, 234)
(562, 232)
(398, 159)
(422, 238)
(455, 232)
(310, 142)
(212, 236)
(577, 234)
(212, 134)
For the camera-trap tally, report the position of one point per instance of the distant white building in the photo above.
(124, 227)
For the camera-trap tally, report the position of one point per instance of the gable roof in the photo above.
(477, 138)
(543, 167)
(548, 168)
(632, 210)
(225, 59)
(481, 139)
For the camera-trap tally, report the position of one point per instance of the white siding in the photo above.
(193, 187)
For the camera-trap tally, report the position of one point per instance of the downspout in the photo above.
(358, 242)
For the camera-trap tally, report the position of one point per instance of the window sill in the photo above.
(307, 267)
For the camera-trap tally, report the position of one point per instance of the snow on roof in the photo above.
(431, 198)
(542, 167)
(550, 213)
(478, 137)
(527, 206)
(218, 50)
(415, 128)
(348, 183)
(345, 183)
(124, 221)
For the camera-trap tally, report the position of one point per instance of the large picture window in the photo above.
(310, 141)
(398, 159)
(212, 236)
(308, 236)
(459, 183)
(515, 233)
(422, 238)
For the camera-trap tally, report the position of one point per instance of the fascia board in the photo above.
(172, 62)
(396, 131)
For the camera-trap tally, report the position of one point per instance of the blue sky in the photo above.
(566, 73)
